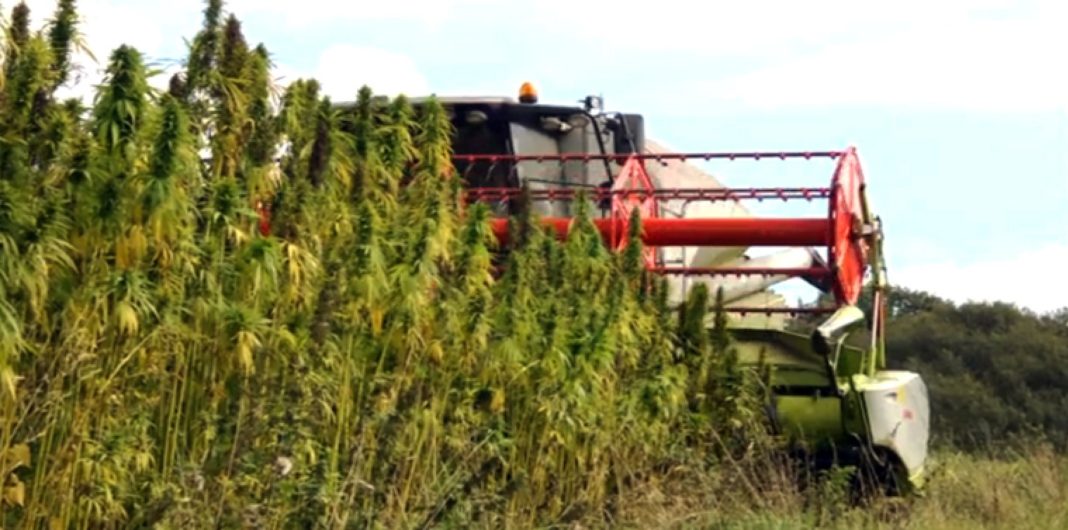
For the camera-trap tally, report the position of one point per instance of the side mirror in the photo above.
(835, 327)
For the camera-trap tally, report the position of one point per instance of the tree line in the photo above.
(996, 373)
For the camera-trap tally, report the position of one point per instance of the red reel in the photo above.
(848, 251)
(842, 231)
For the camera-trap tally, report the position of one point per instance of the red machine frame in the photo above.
(842, 232)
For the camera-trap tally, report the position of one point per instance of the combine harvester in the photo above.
(837, 403)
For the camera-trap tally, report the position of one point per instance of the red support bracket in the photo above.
(632, 191)
(662, 194)
(658, 157)
(814, 272)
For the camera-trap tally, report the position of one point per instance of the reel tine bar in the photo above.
(632, 189)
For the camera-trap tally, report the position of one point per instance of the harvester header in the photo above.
(834, 399)
(843, 232)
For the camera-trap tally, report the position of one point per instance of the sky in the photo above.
(959, 108)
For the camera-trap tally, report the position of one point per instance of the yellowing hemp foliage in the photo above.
(166, 362)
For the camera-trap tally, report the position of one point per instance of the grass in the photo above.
(1026, 489)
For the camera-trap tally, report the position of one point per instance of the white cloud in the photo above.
(971, 54)
(1034, 279)
(342, 69)
(106, 25)
(968, 63)
(753, 27)
(311, 12)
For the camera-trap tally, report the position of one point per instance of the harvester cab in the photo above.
(837, 403)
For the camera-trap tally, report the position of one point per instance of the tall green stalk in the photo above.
(61, 36)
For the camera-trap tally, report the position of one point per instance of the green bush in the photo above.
(996, 372)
